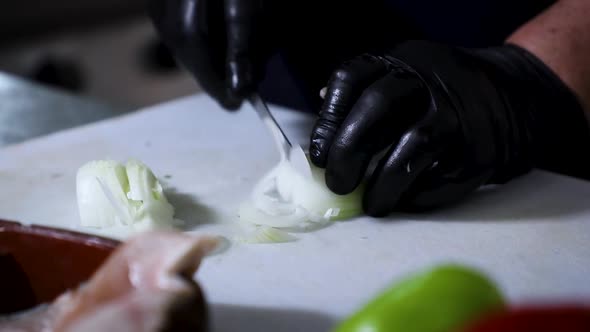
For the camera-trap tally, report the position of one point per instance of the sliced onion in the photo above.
(265, 234)
(256, 216)
(315, 196)
(117, 196)
(284, 198)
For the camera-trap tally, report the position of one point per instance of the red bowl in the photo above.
(39, 263)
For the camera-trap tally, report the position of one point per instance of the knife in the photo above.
(289, 152)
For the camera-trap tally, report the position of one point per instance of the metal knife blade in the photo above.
(283, 143)
(288, 151)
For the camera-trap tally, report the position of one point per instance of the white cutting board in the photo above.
(532, 236)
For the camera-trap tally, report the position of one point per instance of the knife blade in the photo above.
(293, 153)
(281, 140)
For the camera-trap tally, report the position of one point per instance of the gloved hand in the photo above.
(221, 42)
(443, 121)
(226, 44)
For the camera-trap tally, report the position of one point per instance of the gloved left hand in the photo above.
(446, 120)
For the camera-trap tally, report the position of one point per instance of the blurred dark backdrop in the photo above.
(26, 18)
(102, 49)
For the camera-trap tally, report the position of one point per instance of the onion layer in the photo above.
(124, 197)
(286, 199)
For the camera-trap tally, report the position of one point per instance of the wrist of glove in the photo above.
(547, 115)
(442, 121)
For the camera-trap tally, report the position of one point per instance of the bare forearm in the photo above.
(560, 37)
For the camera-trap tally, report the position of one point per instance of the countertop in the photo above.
(29, 110)
(531, 236)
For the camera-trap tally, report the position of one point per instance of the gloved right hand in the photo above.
(226, 44)
(223, 43)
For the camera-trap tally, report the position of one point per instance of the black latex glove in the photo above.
(443, 122)
(226, 44)
(223, 43)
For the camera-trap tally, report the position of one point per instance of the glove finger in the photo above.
(344, 87)
(379, 117)
(242, 22)
(395, 174)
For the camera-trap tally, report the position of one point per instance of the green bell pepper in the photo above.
(441, 299)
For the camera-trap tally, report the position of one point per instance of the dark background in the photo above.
(101, 49)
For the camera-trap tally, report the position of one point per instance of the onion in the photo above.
(285, 198)
(112, 195)
(265, 234)
(313, 194)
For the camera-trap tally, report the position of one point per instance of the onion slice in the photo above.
(122, 197)
(265, 234)
(284, 198)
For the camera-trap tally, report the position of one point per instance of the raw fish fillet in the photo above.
(145, 285)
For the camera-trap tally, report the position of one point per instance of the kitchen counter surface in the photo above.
(531, 236)
(29, 110)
